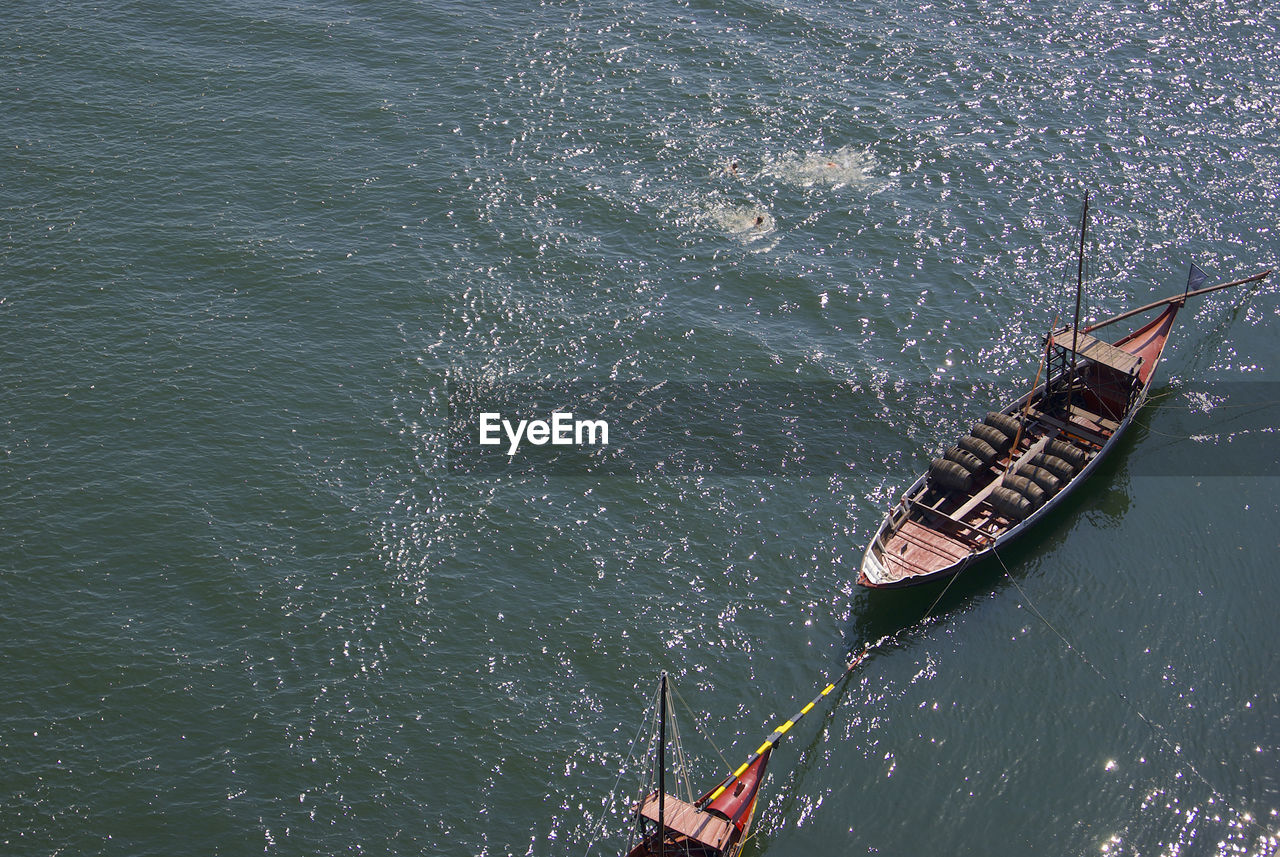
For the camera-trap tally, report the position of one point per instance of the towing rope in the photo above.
(776, 736)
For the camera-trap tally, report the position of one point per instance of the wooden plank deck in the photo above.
(1096, 350)
(687, 819)
(975, 528)
(917, 549)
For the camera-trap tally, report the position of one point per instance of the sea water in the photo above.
(262, 263)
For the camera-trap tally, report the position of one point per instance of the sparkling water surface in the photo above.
(252, 252)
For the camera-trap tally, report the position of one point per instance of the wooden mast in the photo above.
(662, 765)
(1075, 325)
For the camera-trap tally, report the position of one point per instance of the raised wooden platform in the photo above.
(686, 819)
(1097, 351)
(917, 549)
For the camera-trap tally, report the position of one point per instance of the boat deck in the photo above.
(686, 819)
(1084, 425)
(915, 549)
(955, 525)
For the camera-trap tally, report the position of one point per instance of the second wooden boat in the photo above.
(715, 825)
(718, 824)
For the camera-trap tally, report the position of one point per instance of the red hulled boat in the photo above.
(718, 824)
(1020, 461)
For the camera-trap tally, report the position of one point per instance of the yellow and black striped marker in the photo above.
(772, 740)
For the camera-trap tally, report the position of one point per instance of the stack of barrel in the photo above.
(1019, 494)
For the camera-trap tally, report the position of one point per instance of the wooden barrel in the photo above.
(1004, 423)
(999, 440)
(964, 458)
(1010, 503)
(948, 474)
(1054, 465)
(985, 452)
(1048, 483)
(1070, 453)
(1026, 488)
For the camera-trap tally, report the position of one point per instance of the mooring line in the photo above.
(1157, 729)
(925, 618)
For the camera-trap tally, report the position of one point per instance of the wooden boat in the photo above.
(715, 825)
(1020, 461)
(718, 824)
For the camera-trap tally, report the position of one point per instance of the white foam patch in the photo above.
(747, 223)
(845, 167)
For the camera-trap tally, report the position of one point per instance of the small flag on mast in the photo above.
(1195, 279)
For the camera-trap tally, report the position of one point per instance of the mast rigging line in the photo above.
(697, 726)
(1157, 729)
(680, 766)
(622, 772)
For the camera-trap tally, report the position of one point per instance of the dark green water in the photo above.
(256, 598)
